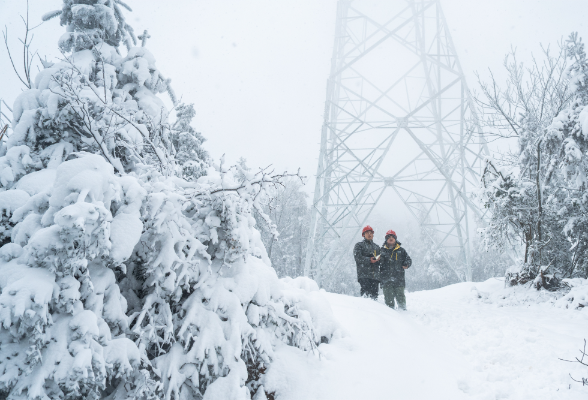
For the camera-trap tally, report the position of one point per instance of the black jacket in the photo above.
(391, 263)
(363, 252)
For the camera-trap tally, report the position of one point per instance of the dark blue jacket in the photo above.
(391, 263)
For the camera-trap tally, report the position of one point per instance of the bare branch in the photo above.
(3, 131)
(27, 56)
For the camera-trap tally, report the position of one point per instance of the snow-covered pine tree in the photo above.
(207, 307)
(190, 157)
(63, 316)
(125, 273)
(568, 168)
(70, 223)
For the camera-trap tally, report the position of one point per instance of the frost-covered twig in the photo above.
(82, 107)
(27, 57)
(261, 178)
(583, 381)
(539, 92)
(2, 132)
(82, 111)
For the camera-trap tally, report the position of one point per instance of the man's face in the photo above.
(369, 235)
(391, 241)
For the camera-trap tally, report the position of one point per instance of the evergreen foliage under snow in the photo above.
(130, 265)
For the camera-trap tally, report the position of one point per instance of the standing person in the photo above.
(393, 262)
(366, 254)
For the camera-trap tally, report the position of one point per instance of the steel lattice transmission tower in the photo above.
(398, 116)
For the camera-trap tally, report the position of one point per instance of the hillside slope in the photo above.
(453, 343)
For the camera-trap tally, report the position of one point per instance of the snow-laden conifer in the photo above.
(130, 264)
(63, 316)
(567, 175)
(204, 302)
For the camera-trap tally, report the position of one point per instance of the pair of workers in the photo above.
(384, 266)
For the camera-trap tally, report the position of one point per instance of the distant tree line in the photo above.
(433, 267)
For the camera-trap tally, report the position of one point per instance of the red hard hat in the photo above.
(391, 232)
(367, 228)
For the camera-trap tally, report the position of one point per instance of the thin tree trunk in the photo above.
(528, 236)
(540, 217)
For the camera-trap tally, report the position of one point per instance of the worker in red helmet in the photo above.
(366, 254)
(394, 261)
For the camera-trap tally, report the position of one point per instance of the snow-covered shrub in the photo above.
(204, 301)
(63, 316)
(130, 265)
(577, 297)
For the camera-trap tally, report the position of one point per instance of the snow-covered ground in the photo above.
(464, 341)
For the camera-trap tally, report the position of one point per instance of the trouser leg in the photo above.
(374, 288)
(369, 288)
(392, 293)
(400, 297)
(364, 287)
(361, 287)
(388, 295)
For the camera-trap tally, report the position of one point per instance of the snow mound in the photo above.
(304, 292)
(511, 340)
(577, 297)
(37, 182)
(10, 200)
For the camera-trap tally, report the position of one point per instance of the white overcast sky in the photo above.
(256, 70)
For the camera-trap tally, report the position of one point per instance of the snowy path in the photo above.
(448, 346)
